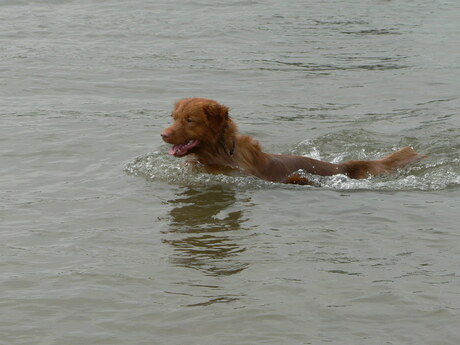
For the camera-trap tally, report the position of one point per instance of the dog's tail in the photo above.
(407, 155)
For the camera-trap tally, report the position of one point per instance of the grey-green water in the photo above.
(105, 239)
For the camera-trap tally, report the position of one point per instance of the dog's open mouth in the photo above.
(180, 150)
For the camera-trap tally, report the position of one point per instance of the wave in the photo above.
(426, 175)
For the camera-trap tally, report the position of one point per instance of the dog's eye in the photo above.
(189, 120)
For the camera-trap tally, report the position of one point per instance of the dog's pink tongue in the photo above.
(182, 149)
(173, 150)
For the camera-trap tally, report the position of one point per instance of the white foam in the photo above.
(429, 175)
(158, 166)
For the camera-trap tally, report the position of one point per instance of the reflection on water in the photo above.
(203, 225)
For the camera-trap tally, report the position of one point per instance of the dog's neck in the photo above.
(249, 157)
(235, 151)
(244, 153)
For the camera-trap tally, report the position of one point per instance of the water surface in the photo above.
(105, 239)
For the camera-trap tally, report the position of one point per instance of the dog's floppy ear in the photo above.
(217, 115)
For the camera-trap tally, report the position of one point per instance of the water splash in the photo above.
(158, 166)
(427, 175)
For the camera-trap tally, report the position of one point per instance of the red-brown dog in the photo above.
(203, 128)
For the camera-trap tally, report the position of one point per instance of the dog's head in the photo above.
(199, 124)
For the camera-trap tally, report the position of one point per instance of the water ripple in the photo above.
(427, 175)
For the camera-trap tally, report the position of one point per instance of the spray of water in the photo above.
(427, 175)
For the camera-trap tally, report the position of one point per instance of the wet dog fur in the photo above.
(203, 129)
